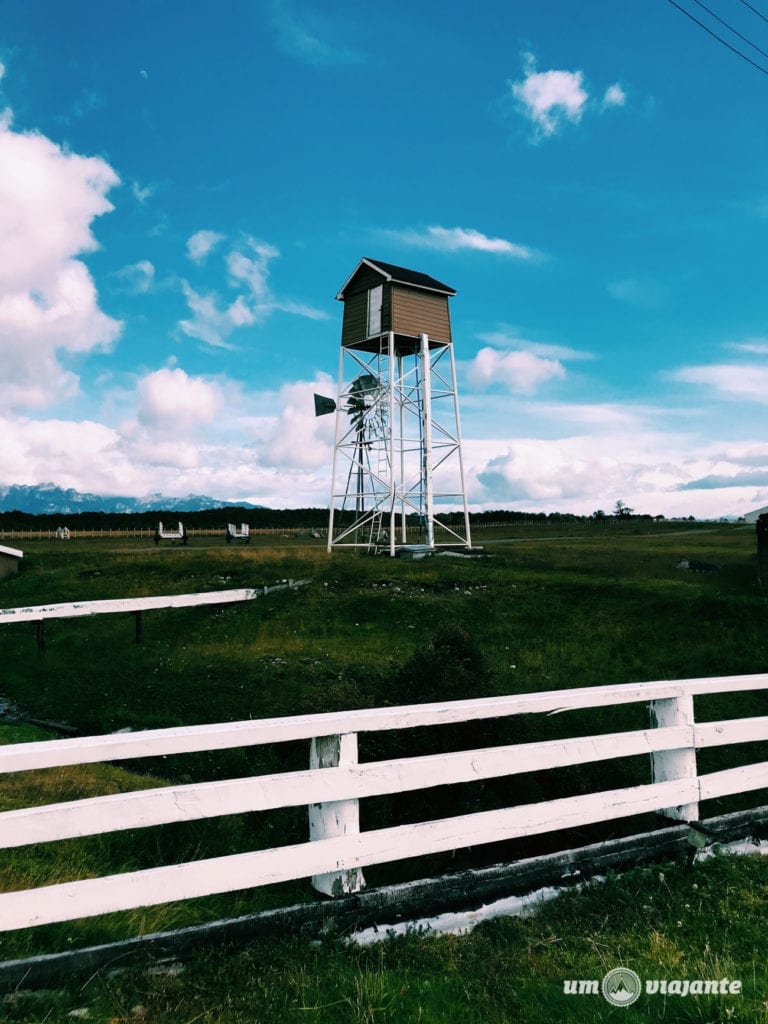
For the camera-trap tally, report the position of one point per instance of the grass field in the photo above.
(550, 608)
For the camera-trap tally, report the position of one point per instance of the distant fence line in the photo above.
(282, 531)
(149, 532)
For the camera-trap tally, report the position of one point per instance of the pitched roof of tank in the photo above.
(399, 275)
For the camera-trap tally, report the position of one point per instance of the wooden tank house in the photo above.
(380, 297)
(397, 454)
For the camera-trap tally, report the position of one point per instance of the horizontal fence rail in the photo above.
(76, 609)
(41, 613)
(336, 781)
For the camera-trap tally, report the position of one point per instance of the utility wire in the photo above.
(755, 10)
(719, 38)
(730, 27)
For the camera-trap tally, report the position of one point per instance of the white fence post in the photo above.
(337, 817)
(681, 762)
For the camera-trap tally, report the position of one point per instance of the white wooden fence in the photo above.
(39, 613)
(335, 782)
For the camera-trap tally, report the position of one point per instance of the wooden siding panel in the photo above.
(355, 324)
(415, 312)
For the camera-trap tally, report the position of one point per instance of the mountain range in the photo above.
(51, 499)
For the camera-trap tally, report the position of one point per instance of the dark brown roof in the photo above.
(400, 275)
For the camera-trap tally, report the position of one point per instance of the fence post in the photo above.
(675, 764)
(337, 817)
(41, 636)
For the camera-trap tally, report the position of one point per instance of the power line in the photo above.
(730, 27)
(719, 38)
(755, 10)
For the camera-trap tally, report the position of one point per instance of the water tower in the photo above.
(397, 455)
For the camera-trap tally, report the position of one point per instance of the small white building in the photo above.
(10, 560)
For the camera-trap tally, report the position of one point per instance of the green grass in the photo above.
(664, 922)
(550, 609)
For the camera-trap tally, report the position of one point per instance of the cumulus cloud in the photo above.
(49, 198)
(171, 400)
(579, 471)
(201, 244)
(297, 438)
(549, 98)
(518, 370)
(552, 99)
(454, 239)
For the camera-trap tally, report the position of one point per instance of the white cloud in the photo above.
(172, 401)
(298, 438)
(455, 239)
(508, 338)
(754, 346)
(210, 324)
(247, 269)
(732, 380)
(137, 278)
(141, 193)
(201, 244)
(48, 302)
(254, 271)
(518, 370)
(585, 472)
(552, 99)
(614, 96)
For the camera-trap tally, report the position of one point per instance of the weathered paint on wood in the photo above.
(188, 739)
(335, 782)
(150, 887)
(76, 609)
(679, 762)
(334, 817)
(332, 787)
(459, 890)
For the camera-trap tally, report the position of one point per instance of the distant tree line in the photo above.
(290, 518)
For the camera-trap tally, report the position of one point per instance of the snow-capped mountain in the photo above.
(48, 498)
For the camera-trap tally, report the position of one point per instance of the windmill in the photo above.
(363, 439)
(397, 451)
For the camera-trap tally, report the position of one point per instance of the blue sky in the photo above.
(184, 187)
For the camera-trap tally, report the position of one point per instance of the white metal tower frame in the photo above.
(397, 451)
